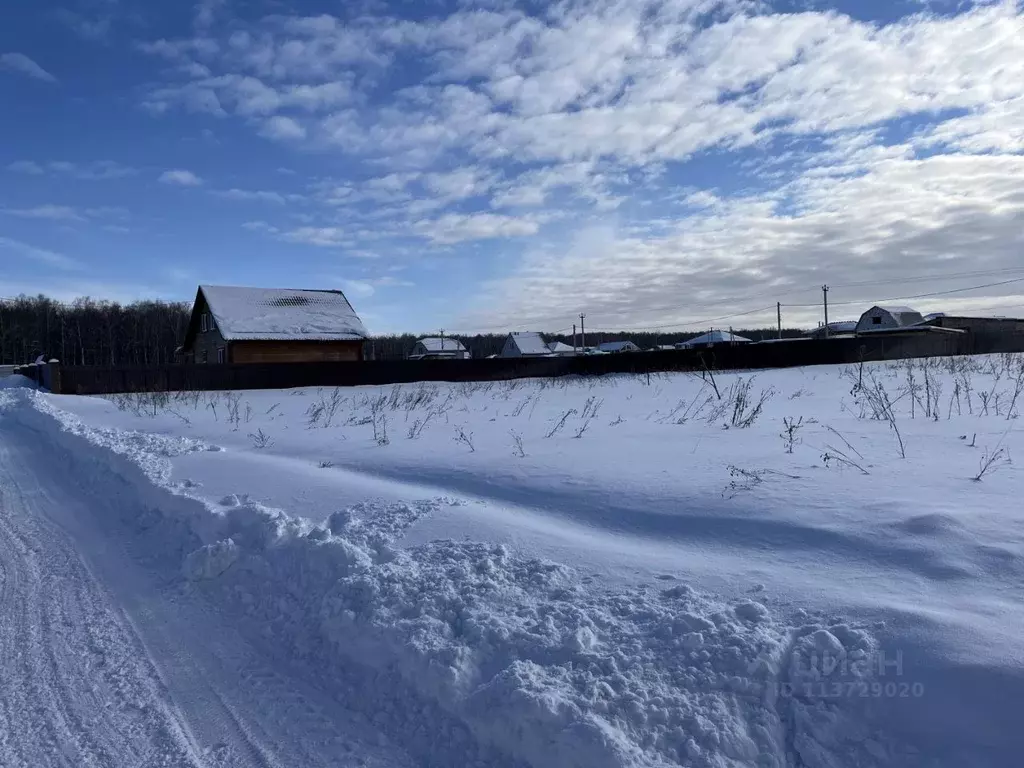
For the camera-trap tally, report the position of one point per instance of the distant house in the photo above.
(841, 328)
(880, 318)
(999, 333)
(526, 344)
(272, 325)
(439, 349)
(618, 346)
(712, 338)
(561, 349)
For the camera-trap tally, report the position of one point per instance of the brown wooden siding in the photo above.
(296, 351)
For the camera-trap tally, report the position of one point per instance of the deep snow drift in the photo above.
(814, 567)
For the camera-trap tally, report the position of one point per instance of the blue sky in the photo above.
(496, 165)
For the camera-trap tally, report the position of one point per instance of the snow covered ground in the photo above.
(808, 567)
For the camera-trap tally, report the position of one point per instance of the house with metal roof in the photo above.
(883, 318)
(525, 344)
(618, 346)
(561, 349)
(272, 325)
(712, 338)
(439, 348)
(839, 328)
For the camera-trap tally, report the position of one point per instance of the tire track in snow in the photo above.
(76, 693)
(129, 672)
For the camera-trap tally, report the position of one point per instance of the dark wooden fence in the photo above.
(782, 354)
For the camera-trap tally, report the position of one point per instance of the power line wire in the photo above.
(917, 296)
(809, 289)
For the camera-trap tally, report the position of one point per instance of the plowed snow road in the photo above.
(102, 665)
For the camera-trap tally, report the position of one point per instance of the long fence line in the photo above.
(78, 380)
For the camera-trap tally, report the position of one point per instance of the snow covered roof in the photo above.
(530, 343)
(841, 326)
(436, 344)
(616, 346)
(272, 314)
(895, 309)
(560, 347)
(716, 337)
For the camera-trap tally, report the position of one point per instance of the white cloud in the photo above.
(249, 196)
(94, 171)
(260, 226)
(181, 51)
(19, 62)
(92, 29)
(587, 104)
(49, 212)
(26, 167)
(456, 228)
(359, 289)
(62, 289)
(283, 128)
(901, 217)
(639, 82)
(41, 255)
(108, 212)
(248, 96)
(181, 178)
(325, 237)
(206, 13)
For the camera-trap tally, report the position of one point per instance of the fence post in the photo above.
(53, 373)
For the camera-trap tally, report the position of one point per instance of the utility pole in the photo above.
(778, 310)
(442, 339)
(583, 332)
(574, 338)
(824, 293)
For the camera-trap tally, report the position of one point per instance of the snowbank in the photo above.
(622, 571)
(469, 652)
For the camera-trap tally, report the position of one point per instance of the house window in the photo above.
(876, 320)
(203, 323)
(221, 355)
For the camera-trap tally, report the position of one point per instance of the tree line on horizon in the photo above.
(106, 333)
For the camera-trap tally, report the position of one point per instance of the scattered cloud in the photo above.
(181, 178)
(260, 226)
(41, 255)
(92, 29)
(359, 289)
(206, 13)
(245, 195)
(862, 234)
(49, 212)
(691, 154)
(457, 228)
(19, 62)
(283, 128)
(26, 167)
(325, 237)
(99, 170)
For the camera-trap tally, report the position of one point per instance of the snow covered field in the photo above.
(807, 567)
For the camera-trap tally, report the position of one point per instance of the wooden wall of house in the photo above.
(296, 351)
(206, 344)
(990, 334)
